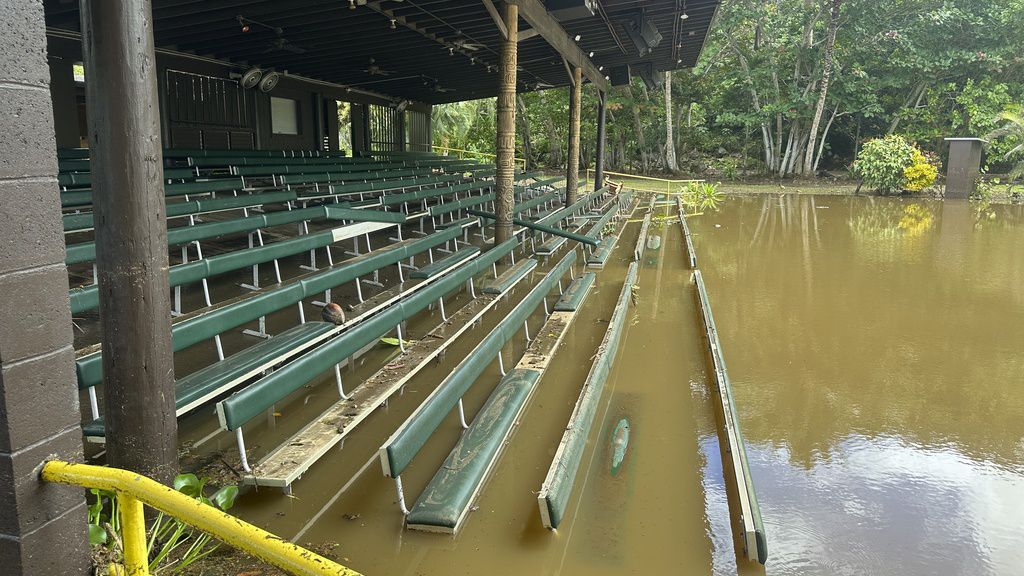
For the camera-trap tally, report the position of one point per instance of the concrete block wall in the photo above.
(42, 526)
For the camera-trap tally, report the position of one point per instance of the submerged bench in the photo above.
(250, 402)
(600, 256)
(554, 493)
(755, 543)
(577, 291)
(203, 325)
(510, 277)
(400, 449)
(690, 252)
(448, 497)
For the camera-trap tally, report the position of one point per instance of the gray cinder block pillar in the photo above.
(963, 168)
(42, 526)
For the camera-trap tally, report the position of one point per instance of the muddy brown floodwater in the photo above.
(875, 349)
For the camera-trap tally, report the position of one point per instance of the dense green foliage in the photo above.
(789, 87)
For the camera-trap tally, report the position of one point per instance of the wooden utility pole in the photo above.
(572, 172)
(599, 160)
(131, 236)
(504, 179)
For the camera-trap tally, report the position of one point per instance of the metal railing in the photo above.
(475, 155)
(658, 185)
(134, 490)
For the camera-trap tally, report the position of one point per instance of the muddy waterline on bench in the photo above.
(874, 348)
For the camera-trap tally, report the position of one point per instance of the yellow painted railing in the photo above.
(133, 490)
(648, 183)
(474, 155)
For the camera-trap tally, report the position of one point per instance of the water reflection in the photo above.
(874, 346)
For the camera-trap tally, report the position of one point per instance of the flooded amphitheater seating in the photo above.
(553, 497)
(208, 323)
(446, 500)
(253, 400)
(354, 197)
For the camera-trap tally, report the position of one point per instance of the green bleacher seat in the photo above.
(443, 264)
(510, 276)
(576, 292)
(203, 385)
(600, 254)
(446, 499)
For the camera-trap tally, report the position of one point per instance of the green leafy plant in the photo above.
(1012, 132)
(703, 195)
(881, 163)
(172, 544)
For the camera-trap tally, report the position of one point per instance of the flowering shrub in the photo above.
(892, 164)
(920, 174)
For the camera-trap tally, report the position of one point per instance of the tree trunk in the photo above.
(670, 141)
(824, 136)
(833, 27)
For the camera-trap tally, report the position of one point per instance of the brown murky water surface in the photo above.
(874, 347)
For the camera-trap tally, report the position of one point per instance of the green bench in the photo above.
(202, 386)
(76, 179)
(510, 277)
(553, 497)
(466, 222)
(81, 221)
(83, 197)
(242, 406)
(439, 266)
(86, 251)
(575, 293)
(599, 256)
(87, 297)
(446, 500)
(205, 324)
(406, 442)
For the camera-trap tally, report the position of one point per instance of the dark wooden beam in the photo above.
(533, 12)
(131, 238)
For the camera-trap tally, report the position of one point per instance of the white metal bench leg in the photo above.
(526, 329)
(401, 495)
(94, 405)
(462, 416)
(401, 342)
(501, 364)
(241, 449)
(337, 380)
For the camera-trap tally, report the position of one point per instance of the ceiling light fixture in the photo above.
(591, 54)
(578, 37)
(392, 23)
(684, 16)
(351, 4)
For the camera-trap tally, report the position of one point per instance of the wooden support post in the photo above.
(599, 154)
(131, 237)
(572, 173)
(506, 140)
